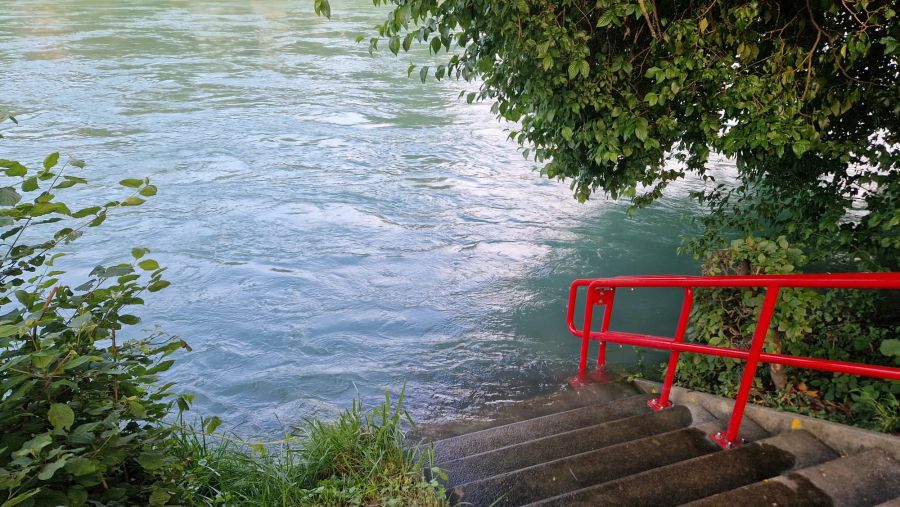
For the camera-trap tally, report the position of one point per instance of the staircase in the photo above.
(602, 445)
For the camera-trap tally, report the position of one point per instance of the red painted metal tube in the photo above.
(586, 334)
(663, 343)
(663, 400)
(607, 299)
(601, 291)
(756, 346)
(887, 280)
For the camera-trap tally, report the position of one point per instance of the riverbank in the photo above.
(361, 458)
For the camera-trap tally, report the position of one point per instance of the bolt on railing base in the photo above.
(721, 438)
(657, 405)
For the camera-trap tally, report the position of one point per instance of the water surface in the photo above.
(331, 227)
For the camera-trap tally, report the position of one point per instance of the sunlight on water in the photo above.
(330, 227)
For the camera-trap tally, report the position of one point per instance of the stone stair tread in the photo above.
(578, 471)
(475, 467)
(863, 480)
(514, 433)
(592, 394)
(699, 477)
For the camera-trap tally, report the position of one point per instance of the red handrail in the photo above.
(601, 291)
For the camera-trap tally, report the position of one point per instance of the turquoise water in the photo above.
(331, 227)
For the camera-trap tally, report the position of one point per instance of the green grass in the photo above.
(362, 458)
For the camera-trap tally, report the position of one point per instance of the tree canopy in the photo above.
(623, 97)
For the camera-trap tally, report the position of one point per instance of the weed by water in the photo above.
(362, 458)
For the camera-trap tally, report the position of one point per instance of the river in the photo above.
(332, 229)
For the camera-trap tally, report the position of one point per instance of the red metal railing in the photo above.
(602, 291)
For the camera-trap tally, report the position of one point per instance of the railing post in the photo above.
(586, 334)
(662, 401)
(606, 298)
(730, 438)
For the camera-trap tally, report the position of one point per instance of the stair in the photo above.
(602, 445)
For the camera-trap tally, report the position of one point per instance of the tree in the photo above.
(623, 97)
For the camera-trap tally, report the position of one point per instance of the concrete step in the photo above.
(700, 477)
(583, 470)
(562, 401)
(480, 466)
(495, 438)
(863, 480)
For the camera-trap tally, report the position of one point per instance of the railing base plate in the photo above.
(656, 405)
(719, 437)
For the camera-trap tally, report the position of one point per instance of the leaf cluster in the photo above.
(81, 412)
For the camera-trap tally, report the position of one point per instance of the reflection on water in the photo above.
(331, 227)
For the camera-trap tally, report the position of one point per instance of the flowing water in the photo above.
(331, 228)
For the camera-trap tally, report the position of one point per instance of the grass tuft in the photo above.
(363, 458)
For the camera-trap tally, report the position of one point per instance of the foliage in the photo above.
(80, 413)
(609, 91)
(362, 458)
(831, 324)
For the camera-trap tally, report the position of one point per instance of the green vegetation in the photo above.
(623, 97)
(81, 412)
(362, 458)
(83, 418)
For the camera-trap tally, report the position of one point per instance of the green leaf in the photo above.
(137, 409)
(50, 468)
(158, 286)
(423, 74)
(148, 265)
(13, 168)
(9, 197)
(79, 466)
(148, 191)
(50, 161)
(77, 163)
(129, 319)
(159, 497)
(150, 460)
(61, 416)
(394, 44)
(30, 184)
(890, 348)
(211, 424)
(133, 201)
(137, 253)
(322, 8)
(131, 183)
(567, 133)
(573, 69)
(640, 129)
(435, 45)
(16, 500)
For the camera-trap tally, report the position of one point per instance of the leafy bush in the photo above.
(80, 410)
(832, 324)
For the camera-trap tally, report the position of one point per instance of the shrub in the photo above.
(81, 414)
(831, 324)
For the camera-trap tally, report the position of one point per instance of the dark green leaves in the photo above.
(322, 8)
(92, 404)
